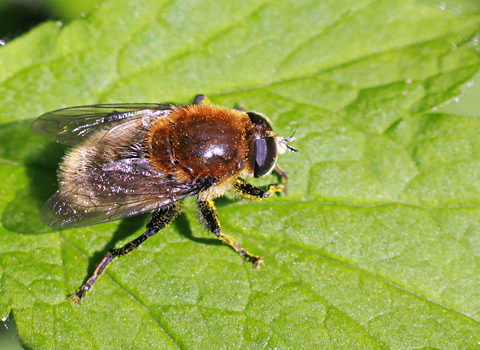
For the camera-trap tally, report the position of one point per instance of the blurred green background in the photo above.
(19, 16)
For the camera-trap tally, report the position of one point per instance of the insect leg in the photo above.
(205, 101)
(282, 173)
(202, 100)
(210, 218)
(240, 107)
(160, 218)
(244, 189)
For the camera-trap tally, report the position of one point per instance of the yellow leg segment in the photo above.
(244, 189)
(210, 218)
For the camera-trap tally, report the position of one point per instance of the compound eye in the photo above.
(259, 121)
(265, 156)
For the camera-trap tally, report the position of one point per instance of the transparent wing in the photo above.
(118, 192)
(108, 177)
(73, 124)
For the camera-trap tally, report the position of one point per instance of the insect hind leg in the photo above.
(160, 218)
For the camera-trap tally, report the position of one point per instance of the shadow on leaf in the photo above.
(183, 226)
(40, 157)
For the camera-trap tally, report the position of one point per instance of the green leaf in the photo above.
(376, 244)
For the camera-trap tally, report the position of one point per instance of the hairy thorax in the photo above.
(198, 141)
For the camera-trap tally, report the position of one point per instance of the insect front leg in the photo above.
(210, 218)
(244, 189)
(160, 218)
(284, 176)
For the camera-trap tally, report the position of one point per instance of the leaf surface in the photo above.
(376, 245)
